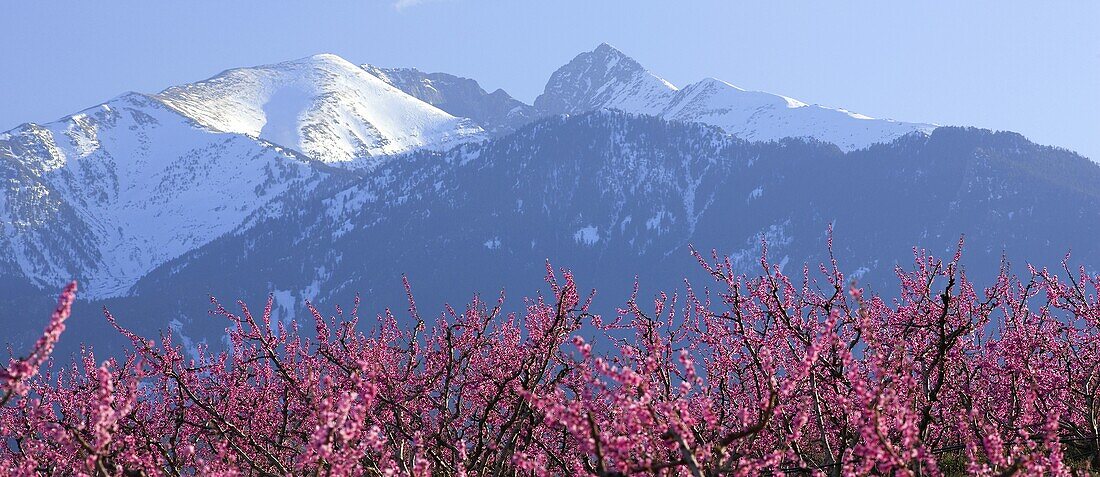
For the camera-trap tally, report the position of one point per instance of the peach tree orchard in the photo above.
(770, 374)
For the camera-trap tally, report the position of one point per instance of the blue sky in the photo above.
(1026, 66)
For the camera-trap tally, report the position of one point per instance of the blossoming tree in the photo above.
(771, 374)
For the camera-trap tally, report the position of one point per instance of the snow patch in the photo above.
(655, 221)
(588, 235)
(626, 221)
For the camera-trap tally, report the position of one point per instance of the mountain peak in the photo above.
(607, 49)
(612, 58)
(712, 82)
(321, 61)
(604, 78)
(328, 57)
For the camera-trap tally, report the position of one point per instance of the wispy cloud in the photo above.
(403, 4)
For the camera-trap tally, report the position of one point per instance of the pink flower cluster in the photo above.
(748, 376)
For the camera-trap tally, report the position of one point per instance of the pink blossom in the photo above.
(763, 374)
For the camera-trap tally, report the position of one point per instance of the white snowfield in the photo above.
(605, 78)
(323, 106)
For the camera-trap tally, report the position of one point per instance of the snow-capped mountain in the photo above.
(496, 112)
(323, 106)
(228, 186)
(605, 78)
(108, 194)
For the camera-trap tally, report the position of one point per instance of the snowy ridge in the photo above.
(605, 78)
(322, 106)
(758, 116)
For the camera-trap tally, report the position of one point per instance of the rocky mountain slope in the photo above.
(497, 112)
